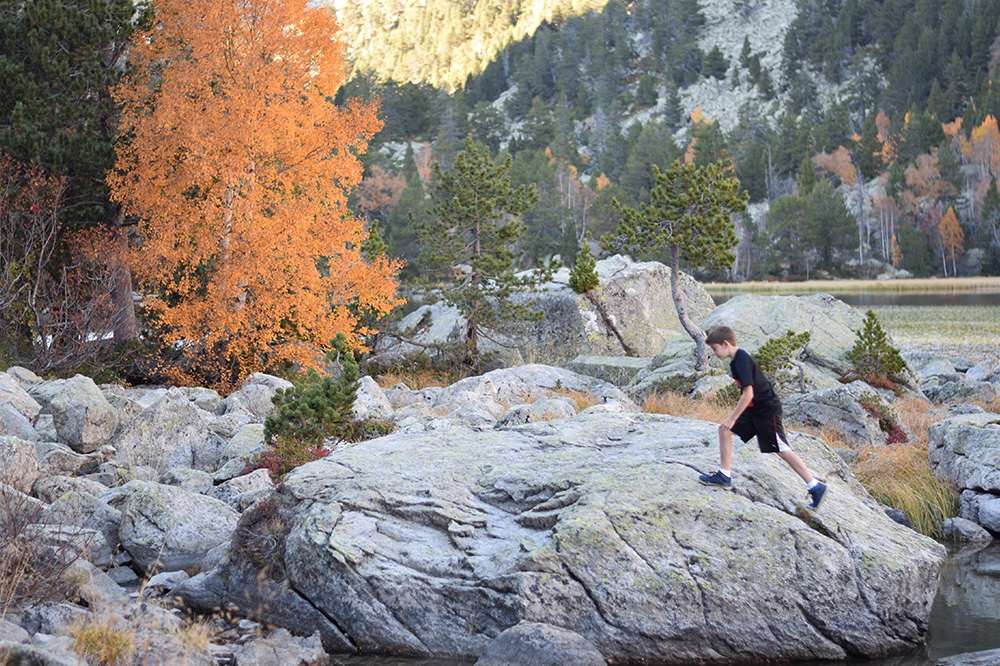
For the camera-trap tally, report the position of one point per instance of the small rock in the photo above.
(965, 531)
(539, 644)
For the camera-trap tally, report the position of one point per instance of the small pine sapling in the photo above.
(874, 359)
(778, 355)
(584, 276)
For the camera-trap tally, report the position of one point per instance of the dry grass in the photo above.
(105, 641)
(858, 286)
(676, 404)
(583, 399)
(416, 379)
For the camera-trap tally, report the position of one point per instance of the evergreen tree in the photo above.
(584, 277)
(870, 149)
(991, 211)
(645, 94)
(689, 215)
(873, 356)
(673, 112)
(476, 225)
(832, 227)
(807, 177)
(745, 53)
(716, 65)
(897, 180)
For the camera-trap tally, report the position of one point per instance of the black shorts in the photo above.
(766, 426)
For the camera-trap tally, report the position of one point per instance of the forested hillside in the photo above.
(864, 130)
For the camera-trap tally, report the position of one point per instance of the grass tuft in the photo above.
(104, 641)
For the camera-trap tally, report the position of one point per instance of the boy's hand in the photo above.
(729, 422)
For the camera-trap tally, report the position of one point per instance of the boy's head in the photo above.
(722, 340)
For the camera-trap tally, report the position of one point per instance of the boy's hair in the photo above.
(721, 334)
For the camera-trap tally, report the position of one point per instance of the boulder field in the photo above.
(438, 538)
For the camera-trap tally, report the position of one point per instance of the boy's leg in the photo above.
(725, 448)
(796, 464)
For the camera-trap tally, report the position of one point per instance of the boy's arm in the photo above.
(746, 397)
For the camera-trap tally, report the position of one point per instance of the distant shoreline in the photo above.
(858, 286)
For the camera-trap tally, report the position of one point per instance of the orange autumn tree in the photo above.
(952, 240)
(238, 167)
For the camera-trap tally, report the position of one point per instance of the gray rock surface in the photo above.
(538, 644)
(964, 390)
(280, 648)
(632, 298)
(843, 410)
(983, 658)
(618, 370)
(961, 530)
(55, 459)
(51, 488)
(15, 424)
(831, 323)
(19, 654)
(255, 397)
(82, 415)
(965, 451)
(165, 528)
(18, 463)
(981, 508)
(229, 491)
(435, 542)
(12, 394)
(172, 432)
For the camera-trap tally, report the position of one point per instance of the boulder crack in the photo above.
(330, 618)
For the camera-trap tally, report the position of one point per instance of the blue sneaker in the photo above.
(717, 479)
(816, 493)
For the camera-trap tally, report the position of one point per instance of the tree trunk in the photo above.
(698, 335)
(123, 318)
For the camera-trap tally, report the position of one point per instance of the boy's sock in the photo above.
(812, 484)
(726, 473)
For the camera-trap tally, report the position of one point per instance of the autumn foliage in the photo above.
(238, 166)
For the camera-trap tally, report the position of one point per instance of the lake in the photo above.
(953, 322)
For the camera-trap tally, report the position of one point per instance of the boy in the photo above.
(758, 412)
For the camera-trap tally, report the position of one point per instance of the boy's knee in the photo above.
(724, 431)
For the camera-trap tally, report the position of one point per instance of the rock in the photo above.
(55, 459)
(964, 531)
(617, 370)
(167, 580)
(13, 423)
(12, 394)
(280, 648)
(962, 391)
(10, 632)
(255, 397)
(172, 432)
(192, 480)
(18, 463)
(982, 509)
(633, 299)
(51, 488)
(204, 398)
(94, 587)
(241, 590)
(19, 654)
(434, 542)
(984, 658)
(831, 323)
(165, 528)
(539, 644)
(855, 411)
(371, 402)
(20, 509)
(46, 427)
(229, 491)
(56, 619)
(81, 509)
(248, 442)
(228, 425)
(929, 366)
(981, 372)
(965, 451)
(82, 415)
(71, 542)
(24, 376)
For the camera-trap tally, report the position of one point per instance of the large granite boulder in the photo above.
(18, 463)
(434, 542)
(255, 397)
(631, 312)
(855, 411)
(172, 432)
(965, 452)
(12, 394)
(83, 417)
(832, 326)
(166, 528)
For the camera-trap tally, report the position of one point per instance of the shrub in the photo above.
(584, 276)
(259, 538)
(875, 360)
(777, 356)
(104, 642)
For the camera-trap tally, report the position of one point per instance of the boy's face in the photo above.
(722, 350)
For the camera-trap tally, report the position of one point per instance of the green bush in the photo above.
(873, 358)
(584, 276)
(775, 358)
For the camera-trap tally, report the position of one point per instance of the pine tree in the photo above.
(991, 210)
(870, 149)
(807, 177)
(689, 215)
(873, 356)
(475, 225)
(584, 275)
(715, 65)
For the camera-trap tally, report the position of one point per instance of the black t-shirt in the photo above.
(746, 372)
